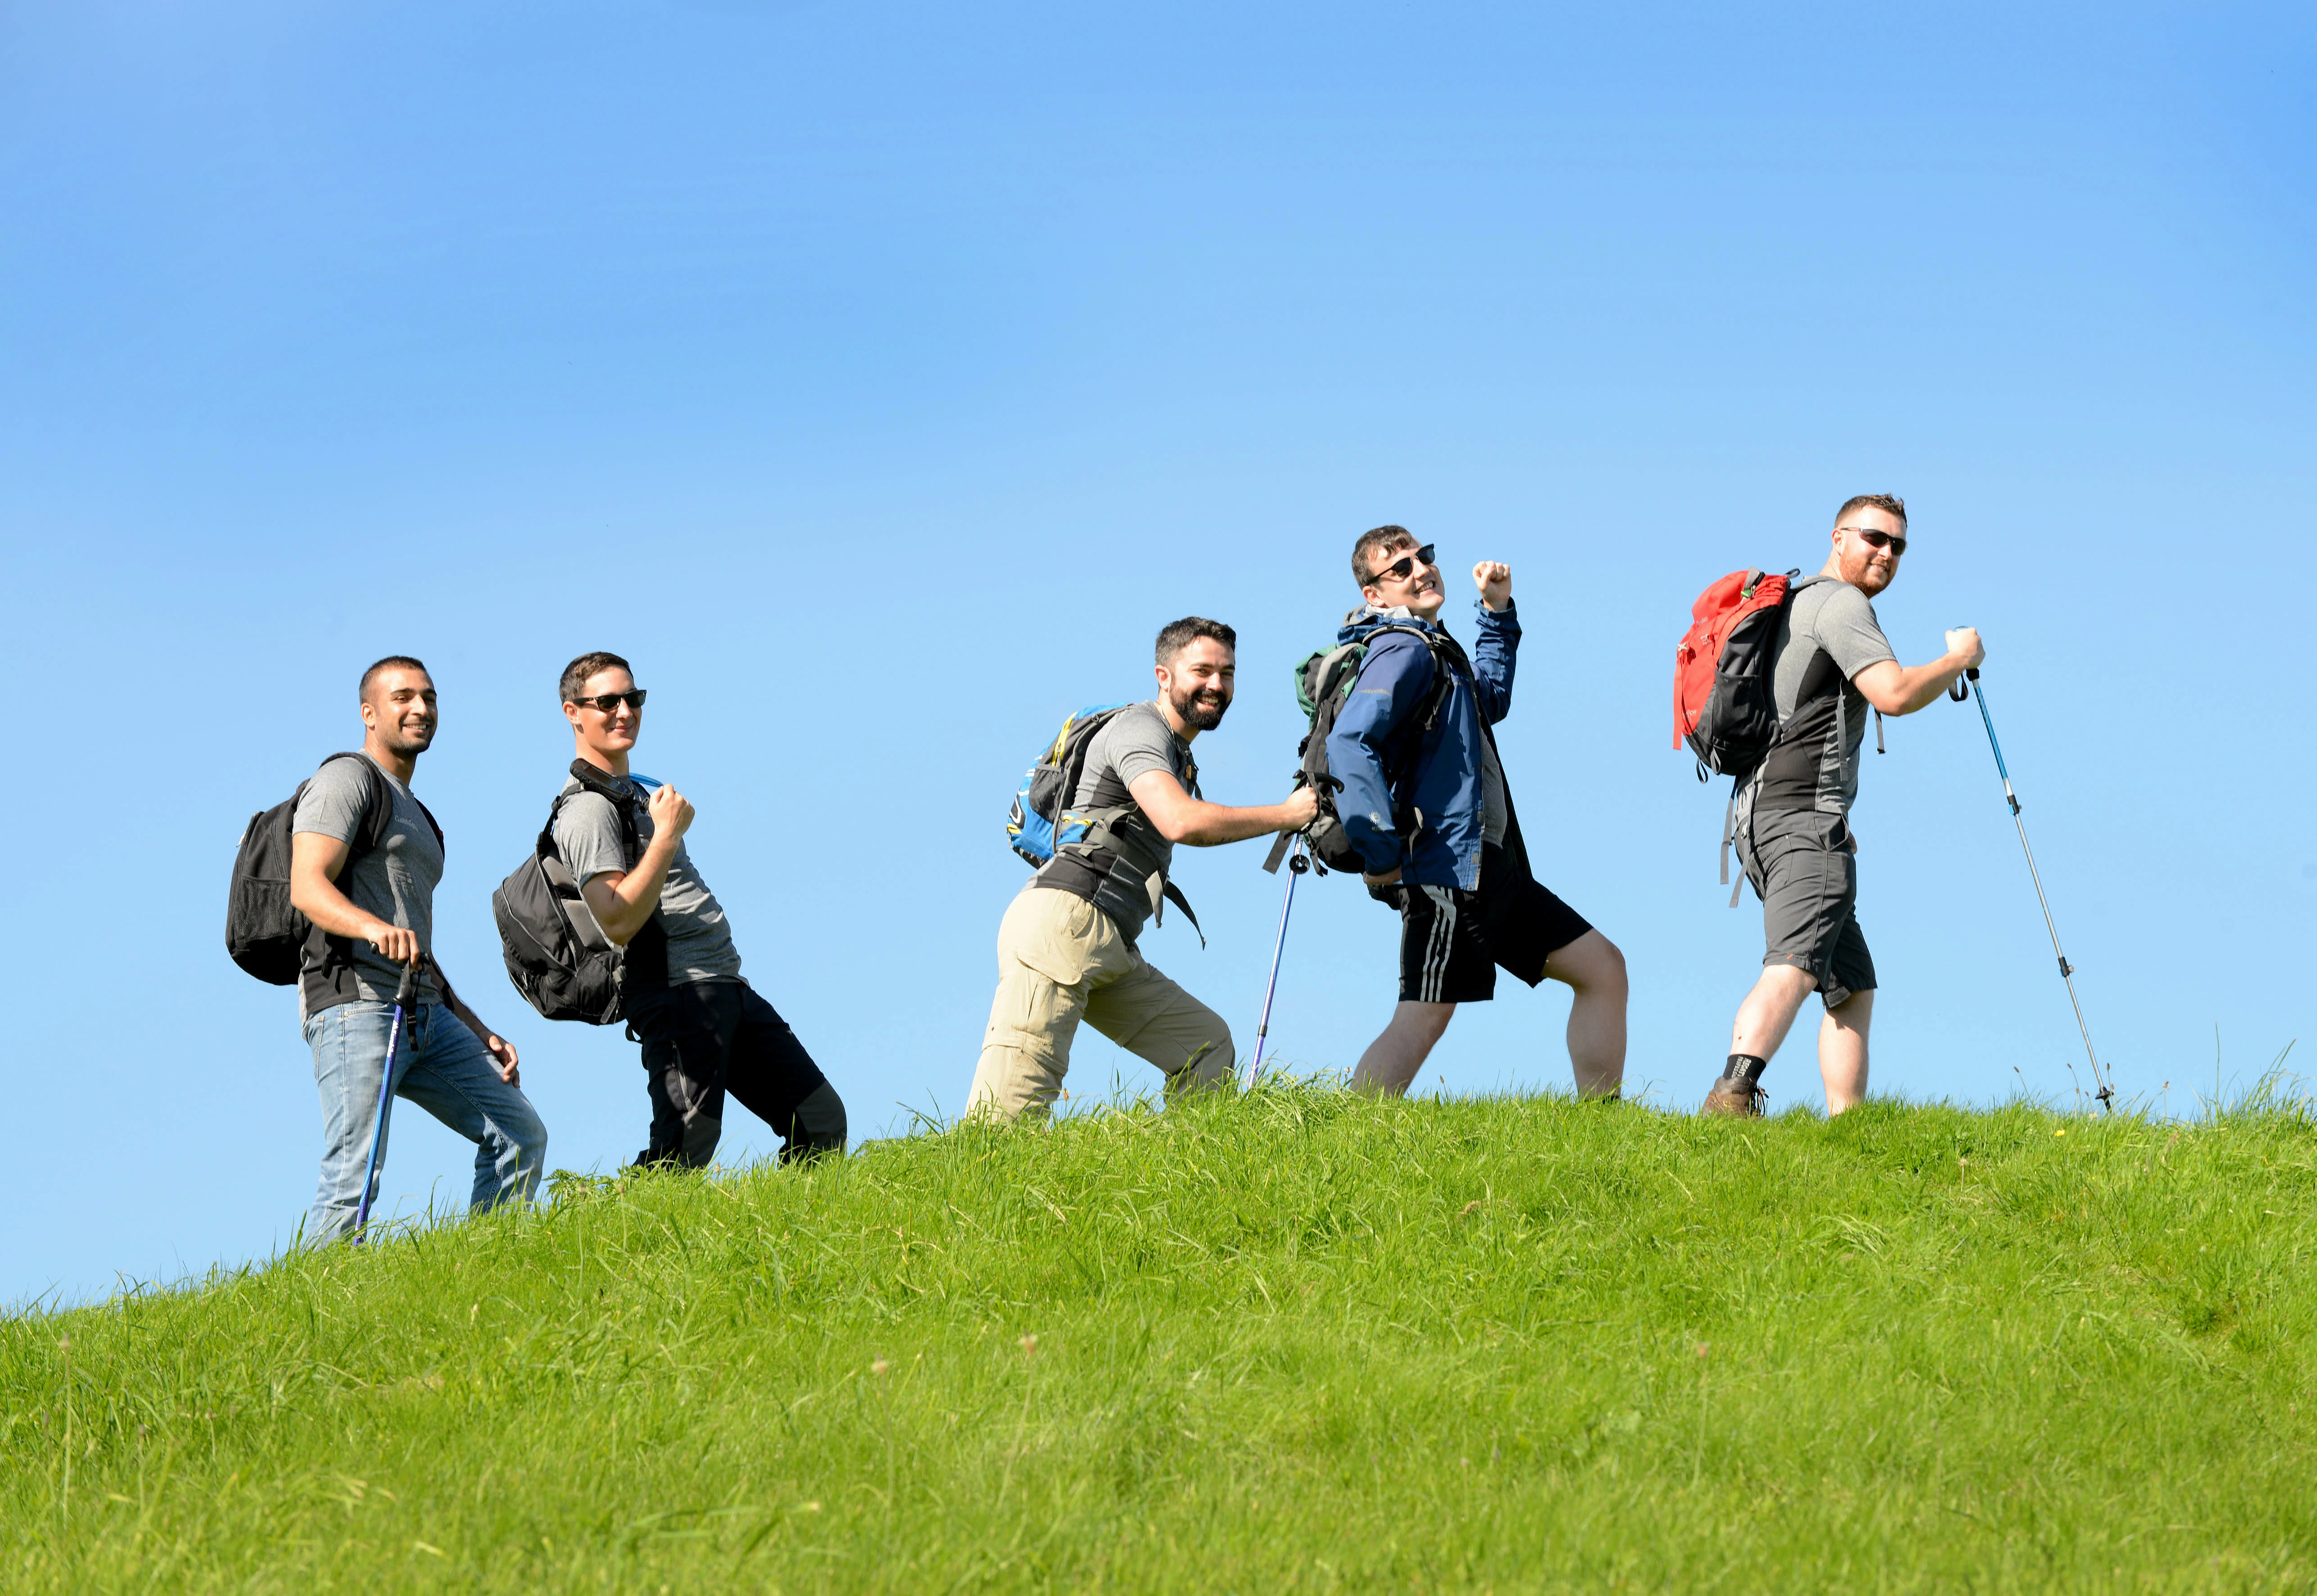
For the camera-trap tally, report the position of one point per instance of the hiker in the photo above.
(372, 917)
(1068, 948)
(1426, 805)
(706, 1032)
(1790, 816)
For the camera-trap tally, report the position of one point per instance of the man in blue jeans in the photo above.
(373, 912)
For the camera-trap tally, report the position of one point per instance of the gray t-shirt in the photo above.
(395, 881)
(1830, 635)
(699, 938)
(1136, 741)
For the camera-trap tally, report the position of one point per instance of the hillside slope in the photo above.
(1291, 1341)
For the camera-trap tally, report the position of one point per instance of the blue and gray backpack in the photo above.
(1041, 823)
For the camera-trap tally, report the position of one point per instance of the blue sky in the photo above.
(879, 379)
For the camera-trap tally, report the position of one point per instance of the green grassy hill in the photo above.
(1286, 1343)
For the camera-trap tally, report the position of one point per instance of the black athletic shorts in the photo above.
(1451, 941)
(1804, 867)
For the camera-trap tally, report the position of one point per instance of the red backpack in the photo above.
(1723, 704)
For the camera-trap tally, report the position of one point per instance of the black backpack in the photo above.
(264, 933)
(1323, 685)
(556, 955)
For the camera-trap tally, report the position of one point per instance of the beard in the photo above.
(401, 739)
(1202, 708)
(1864, 574)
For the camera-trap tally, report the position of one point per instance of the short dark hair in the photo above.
(1892, 502)
(576, 673)
(392, 662)
(1177, 635)
(1386, 538)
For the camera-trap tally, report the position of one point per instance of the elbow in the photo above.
(1176, 826)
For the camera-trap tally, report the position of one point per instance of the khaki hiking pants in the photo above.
(1060, 960)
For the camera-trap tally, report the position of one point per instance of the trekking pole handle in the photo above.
(408, 992)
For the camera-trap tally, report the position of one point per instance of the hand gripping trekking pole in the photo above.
(405, 998)
(1961, 690)
(1296, 865)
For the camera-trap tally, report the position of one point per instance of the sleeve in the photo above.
(588, 835)
(1849, 632)
(332, 805)
(1138, 745)
(1492, 659)
(1391, 683)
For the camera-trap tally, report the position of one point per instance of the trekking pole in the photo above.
(405, 998)
(1296, 865)
(1971, 689)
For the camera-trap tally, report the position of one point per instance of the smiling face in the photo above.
(606, 732)
(1198, 682)
(400, 710)
(1856, 560)
(1421, 590)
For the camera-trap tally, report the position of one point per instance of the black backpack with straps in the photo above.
(556, 955)
(264, 933)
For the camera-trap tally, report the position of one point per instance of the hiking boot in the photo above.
(1732, 1099)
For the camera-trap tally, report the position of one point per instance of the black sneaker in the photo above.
(1732, 1099)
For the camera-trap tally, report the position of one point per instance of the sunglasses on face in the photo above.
(1897, 544)
(1398, 571)
(609, 701)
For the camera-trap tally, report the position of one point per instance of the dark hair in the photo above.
(1178, 634)
(1892, 502)
(576, 673)
(1386, 538)
(392, 662)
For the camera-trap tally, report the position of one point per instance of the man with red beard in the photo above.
(1067, 949)
(1791, 817)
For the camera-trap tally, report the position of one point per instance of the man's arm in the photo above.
(315, 861)
(1498, 642)
(1901, 690)
(501, 1050)
(1181, 818)
(622, 901)
(1392, 683)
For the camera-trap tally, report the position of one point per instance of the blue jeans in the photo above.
(443, 1068)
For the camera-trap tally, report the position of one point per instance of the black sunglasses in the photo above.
(1399, 569)
(608, 701)
(1897, 545)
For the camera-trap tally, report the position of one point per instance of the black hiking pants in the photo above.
(705, 1039)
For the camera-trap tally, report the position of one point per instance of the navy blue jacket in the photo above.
(1439, 778)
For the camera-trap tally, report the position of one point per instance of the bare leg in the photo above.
(1592, 968)
(1842, 1051)
(1769, 1009)
(1392, 1059)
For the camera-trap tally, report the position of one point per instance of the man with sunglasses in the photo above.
(705, 1031)
(1426, 802)
(1789, 818)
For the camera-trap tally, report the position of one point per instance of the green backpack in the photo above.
(1323, 685)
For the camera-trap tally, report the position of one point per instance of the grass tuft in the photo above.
(1291, 1341)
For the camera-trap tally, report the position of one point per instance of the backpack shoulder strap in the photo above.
(378, 805)
(620, 794)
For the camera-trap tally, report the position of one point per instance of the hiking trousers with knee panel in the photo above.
(1060, 960)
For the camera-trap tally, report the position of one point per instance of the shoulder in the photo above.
(334, 797)
(583, 807)
(1139, 741)
(1392, 655)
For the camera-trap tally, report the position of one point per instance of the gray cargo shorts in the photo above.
(1804, 869)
